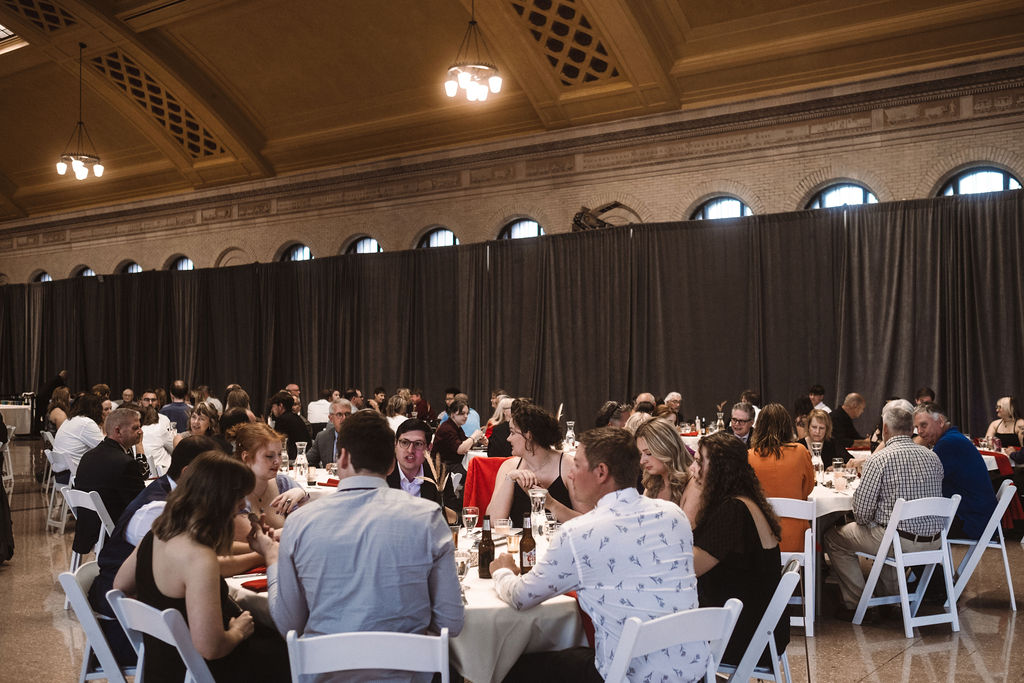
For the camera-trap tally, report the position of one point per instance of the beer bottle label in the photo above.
(530, 558)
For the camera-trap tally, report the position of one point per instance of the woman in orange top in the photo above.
(783, 467)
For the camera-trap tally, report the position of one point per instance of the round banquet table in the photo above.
(494, 634)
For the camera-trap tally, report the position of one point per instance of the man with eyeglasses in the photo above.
(149, 400)
(326, 441)
(413, 437)
(742, 420)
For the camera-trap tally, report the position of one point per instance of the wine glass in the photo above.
(470, 514)
(462, 562)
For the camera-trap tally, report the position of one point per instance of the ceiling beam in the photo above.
(7, 204)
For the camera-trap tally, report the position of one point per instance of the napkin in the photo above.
(331, 482)
(257, 585)
(689, 434)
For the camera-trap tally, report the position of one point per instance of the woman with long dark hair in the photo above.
(175, 566)
(736, 542)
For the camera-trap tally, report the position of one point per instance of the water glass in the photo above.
(454, 528)
(470, 515)
(463, 560)
(513, 541)
(502, 527)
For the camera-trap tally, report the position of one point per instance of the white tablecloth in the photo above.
(19, 417)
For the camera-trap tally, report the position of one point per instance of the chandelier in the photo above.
(474, 71)
(79, 159)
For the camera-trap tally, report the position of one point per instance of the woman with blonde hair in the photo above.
(395, 411)
(666, 463)
(1009, 427)
(176, 566)
(498, 416)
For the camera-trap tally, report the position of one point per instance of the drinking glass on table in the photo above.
(502, 527)
(513, 542)
(470, 514)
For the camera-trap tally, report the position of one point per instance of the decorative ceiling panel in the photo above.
(570, 42)
(46, 16)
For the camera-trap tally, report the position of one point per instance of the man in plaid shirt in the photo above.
(902, 469)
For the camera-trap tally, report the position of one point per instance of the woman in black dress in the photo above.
(736, 541)
(176, 566)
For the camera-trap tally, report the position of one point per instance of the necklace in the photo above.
(259, 499)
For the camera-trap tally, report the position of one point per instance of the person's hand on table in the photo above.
(504, 561)
(289, 501)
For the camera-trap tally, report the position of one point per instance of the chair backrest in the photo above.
(368, 650)
(47, 438)
(1005, 495)
(76, 586)
(480, 483)
(713, 624)
(60, 463)
(920, 507)
(169, 626)
(794, 508)
(765, 630)
(11, 429)
(90, 500)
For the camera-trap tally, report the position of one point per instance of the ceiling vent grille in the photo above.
(47, 16)
(176, 119)
(568, 39)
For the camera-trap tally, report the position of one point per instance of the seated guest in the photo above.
(367, 558)
(450, 442)
(496, 417)
(736, 544)
(924, 395)
(419, 405)
(472, 422)
(157, 440)
(324, 449)
(274, 495)
(754, 399)
(816, 395)
(674, 401)
(233, 417)
(133, 524)
(497, 442)
(175, 566)
(80, 433)
(663, 412)
(613, 414)
(416, 474)
(395, 411)
(635, 420)
(378, 399)
(111, 469)
(843, 430)
(801, 409)
(742, 421)
(783, 468)
(177, 410)
(665, 462)
(628, 556)
(316, 411)
(819, 430)
(1009, 427)
(238, 398)
(58, 409)
(204, 421)
(287, 423)
(964, 470)
(534, 436)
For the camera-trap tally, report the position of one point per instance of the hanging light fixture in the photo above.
(79, 159)
(474, 71)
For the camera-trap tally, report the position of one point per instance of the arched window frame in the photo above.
(818, 201)
(521, 228)
(439, 236)
(364, 245)
(719, 204)
(42, 276)
(130, 268)
(954, 186)
(297, 252)
(182, 263)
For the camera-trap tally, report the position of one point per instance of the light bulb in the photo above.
(62, 167)
(76, 165)
(464, 79)
(495, 84)
(98, 170)
(451, 87)
(81, 173)
(471, 93)
(481, 92)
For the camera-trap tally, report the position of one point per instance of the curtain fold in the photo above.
(877, 299)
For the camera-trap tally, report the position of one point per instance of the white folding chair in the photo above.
(367, 650)
(994, 534)
(89, 500)
(47, 438)
(57, 508)
(169, 626)
(8, 467)
(712, 624)
(904, 510)
(76, 588)
(48, 479)
(764, 635)
(808, 557)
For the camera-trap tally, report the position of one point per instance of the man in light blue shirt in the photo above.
(366, 558)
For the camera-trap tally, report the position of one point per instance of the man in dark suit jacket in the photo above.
(843, 430)
(111, 469)
(412, 439)
(324, 448)
(288, 423)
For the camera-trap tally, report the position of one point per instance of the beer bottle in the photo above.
(527, 547)
(486, 552)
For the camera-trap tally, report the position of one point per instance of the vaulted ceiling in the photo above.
(189, 94)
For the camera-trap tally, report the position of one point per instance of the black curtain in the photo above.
(878, 299)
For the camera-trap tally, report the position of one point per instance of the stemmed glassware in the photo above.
(819, 466)
(462, 562)
(570, 435)
(470, 514)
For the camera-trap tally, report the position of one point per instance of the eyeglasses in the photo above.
(415, 445)
(738, 421)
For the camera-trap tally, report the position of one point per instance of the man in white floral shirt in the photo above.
(629, 556)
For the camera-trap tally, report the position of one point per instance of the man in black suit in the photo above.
(412, 440)
(843, 430)
(111, 469)
(741, 421)
(287, 422)
(324, 448)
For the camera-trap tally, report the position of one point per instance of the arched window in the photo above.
(842, 194)
(980, 179)
(43, 277)
(131, 267)
(297, 252)
(182, 263)
(364, 245)
(721, 207)
(521, 228)
(438, 237)
(85, 271)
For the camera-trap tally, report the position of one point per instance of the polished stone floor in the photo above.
(40, 641)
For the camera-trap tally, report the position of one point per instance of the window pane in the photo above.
(298, 252)
(43, 277)
(722, 207)
(183, 263)
(132, 268)
(366, 245)
(844, 195)
(522, 228)
(1014, 184)
(440, 237)
(87, 272)
(981, 181)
